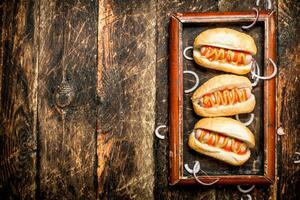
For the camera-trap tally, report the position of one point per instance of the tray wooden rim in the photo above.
(176, 95)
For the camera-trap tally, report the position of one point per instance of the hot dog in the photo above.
(222, 138)
(224, 49)
(224, 95)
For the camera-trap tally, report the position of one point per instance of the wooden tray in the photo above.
(260, 168)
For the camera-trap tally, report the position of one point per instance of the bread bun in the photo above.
(217, 153)
(228, 39)
(226, 67)
(228, 127)
(219, 83)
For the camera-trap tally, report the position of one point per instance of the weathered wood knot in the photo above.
(64, 94)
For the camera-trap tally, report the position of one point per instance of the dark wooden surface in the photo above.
(18, 109)
(101, 142)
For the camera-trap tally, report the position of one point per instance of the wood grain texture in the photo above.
(2, 8)
(68, 48)
(126, 91)
(18, 100)
(62, 153)
(288, 98)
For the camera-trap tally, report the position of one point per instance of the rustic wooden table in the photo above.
(83, 85)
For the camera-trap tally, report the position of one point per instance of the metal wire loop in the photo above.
(247, 123)
(197, 81)
(269, 4)
(247, 190)
(162, 137)
(184, 53)
(255, 20)
(266, 77)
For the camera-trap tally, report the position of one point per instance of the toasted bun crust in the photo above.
(219, 83)
(228, 157)
(238, 108)
(226, 67)
(229, 127)
(226, 38)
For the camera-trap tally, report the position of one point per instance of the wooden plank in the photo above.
(288, 99)
(18, 72)
(67, 107)
(126, 91)
(2, 6)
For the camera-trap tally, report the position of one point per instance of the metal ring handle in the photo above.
(255, 69)
(248, 196)
(269, 6)
(245, 191)
(197, 166)
(297, 161)
(162, 137)
(255, 20)
(247, 123)
(197, 81)
(266, 77)
(184, 53)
